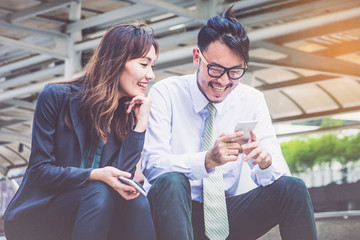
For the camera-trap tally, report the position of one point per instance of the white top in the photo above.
(173, 140)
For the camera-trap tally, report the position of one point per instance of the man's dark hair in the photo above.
(228, 30)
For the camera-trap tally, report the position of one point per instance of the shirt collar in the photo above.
(200, 101)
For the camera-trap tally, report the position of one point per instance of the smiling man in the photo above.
(196, 166)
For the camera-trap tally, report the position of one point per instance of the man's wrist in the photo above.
(267, 163)
(209, 163)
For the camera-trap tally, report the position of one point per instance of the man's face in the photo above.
(218, 54)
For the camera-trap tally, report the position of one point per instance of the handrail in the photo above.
(337, 214)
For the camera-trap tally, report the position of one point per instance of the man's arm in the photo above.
(263, 152)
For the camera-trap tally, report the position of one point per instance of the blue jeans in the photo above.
(93, 212)
(285, 202)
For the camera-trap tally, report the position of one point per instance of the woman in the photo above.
(87, 133)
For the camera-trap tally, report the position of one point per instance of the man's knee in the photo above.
(292, 186)
(291, 183)
(170, 201)
(172, 182)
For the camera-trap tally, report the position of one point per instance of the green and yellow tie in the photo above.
(215, 211)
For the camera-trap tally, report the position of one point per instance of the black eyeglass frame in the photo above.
(227, 70)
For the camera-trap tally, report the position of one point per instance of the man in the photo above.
(181, 167)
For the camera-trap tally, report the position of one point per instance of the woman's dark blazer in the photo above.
(56, 152)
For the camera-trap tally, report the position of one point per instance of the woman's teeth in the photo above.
(141, 84)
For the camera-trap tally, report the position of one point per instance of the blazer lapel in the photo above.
(79, 127)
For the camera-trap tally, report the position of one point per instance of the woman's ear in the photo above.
(196, 56)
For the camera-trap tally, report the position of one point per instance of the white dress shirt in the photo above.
(173, 140)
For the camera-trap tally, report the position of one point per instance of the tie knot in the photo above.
(211, 108)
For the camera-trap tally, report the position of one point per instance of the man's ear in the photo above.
(196, 56)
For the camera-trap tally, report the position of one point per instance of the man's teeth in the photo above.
(218, 89)
(142, 84)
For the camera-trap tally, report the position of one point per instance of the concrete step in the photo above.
(333, 228)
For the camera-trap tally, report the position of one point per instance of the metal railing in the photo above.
(337, 214)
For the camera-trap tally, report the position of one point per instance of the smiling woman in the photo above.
(87, 133)
(137, 74)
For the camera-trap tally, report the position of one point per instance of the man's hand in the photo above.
(255, 150)
(224, 150)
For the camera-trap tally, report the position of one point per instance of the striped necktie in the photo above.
(215, 212)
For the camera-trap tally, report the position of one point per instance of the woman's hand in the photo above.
(109, 175)
(141, 106)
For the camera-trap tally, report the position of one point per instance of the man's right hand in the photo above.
(224, 150)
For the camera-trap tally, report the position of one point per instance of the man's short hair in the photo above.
(228, 30)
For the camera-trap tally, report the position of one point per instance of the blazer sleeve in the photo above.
(130, 152)
(44, 169)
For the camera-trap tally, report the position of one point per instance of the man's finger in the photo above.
(230, 136)
(252, 154)
(233, 145)
(249, 145)
(234, 152)
(222, 135)
(230, 158)
(253, 136)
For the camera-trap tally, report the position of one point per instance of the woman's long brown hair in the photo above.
(99, 94)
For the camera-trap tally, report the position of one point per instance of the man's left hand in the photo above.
(255, 150)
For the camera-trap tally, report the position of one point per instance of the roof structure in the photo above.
(304, 57)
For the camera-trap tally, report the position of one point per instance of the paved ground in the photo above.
(331, 229)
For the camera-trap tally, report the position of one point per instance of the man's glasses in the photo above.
(217, 71)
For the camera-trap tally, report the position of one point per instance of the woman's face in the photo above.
(136, 75)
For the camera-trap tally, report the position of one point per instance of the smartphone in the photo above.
(133, 184)
(246, 127)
